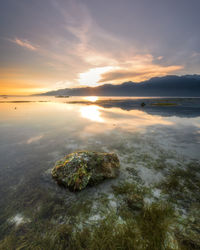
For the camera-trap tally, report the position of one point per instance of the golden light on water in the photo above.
(91, 98)
(92, 113)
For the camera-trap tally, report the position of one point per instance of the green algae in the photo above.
(183, 182)
(124, 188)
(148, 231)
(79, 179)
(80, 169)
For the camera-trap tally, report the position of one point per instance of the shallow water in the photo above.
(35, 132)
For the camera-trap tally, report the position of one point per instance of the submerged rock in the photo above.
(80, 169)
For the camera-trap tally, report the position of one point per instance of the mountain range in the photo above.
(171, 85)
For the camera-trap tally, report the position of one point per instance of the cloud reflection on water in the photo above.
(34, 139)
(112, 118)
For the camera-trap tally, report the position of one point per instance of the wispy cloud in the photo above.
(96, 48)
(24, 43)
(93, 45)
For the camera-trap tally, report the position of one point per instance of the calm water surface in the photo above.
(36, 133)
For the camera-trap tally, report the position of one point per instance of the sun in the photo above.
(93, 76)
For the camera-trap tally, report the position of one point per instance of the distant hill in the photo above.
(188, 85)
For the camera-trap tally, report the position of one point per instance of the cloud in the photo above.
(119, 75)
(24, 43)
(137, 68)
(104, 56)
(93, 76)
(76, 50)
(139, 74)
(77, 21)
(63, 84)
(195, 54)
(93, 45)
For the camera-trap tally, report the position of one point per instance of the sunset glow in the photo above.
(99, 124)
(87, 46)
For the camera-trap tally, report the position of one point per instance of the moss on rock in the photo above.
(80, 169)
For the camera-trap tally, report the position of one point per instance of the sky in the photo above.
(54, 44)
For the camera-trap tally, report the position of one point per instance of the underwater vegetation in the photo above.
(149, 228)
(128, 212)
(182, 186)
(133, 225)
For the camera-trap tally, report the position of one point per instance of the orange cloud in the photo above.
(138, 74)
(136, 68)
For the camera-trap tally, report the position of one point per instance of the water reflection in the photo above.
(91, 98)
(34, 139)
(133, 119)
(92, 113)
(115, 118)
(37, 134)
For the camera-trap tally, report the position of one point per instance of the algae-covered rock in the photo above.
(80, 169)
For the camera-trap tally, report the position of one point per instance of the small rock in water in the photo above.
(80, 169)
